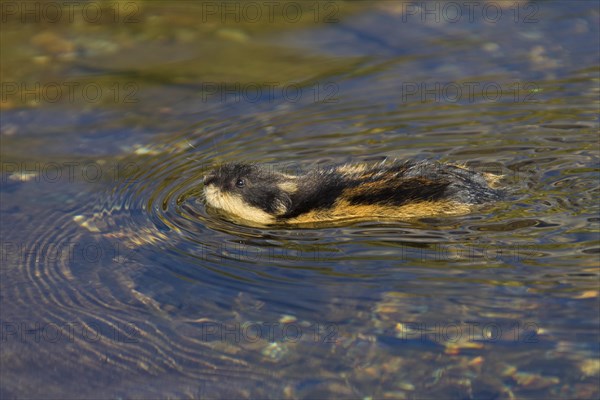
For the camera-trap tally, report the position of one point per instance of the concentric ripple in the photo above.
(90, 311)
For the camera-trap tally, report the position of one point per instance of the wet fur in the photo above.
(394, 190)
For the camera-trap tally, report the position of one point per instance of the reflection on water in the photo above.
(117, 282)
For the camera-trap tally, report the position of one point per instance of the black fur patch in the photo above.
(316, 191)
(400, 193)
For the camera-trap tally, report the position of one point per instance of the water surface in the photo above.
(117, 282)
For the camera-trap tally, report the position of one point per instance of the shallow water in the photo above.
(117, 282)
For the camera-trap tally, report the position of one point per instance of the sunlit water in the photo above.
(124, 285)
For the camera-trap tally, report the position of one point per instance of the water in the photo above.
(117, 282)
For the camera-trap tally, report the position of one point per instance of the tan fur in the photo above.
(288, 187)
(352, 169)
(281, 208)
(235, 205)
(357, 171)
(288, 176)
(343, 210)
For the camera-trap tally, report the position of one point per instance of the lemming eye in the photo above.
(240, 183)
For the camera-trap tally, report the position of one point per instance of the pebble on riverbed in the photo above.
(590, 367)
